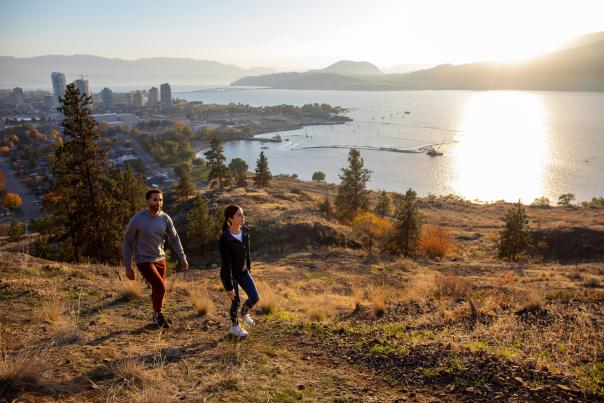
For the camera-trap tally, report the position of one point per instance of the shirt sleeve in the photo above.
(129, 239)
(174, 239)
(226, 274)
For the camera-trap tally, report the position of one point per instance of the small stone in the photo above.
(301, 387)
(470, 389)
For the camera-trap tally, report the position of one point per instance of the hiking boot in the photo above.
(161, 321)
(248, 320)
(238, 331)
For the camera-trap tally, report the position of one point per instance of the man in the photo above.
(145, 235)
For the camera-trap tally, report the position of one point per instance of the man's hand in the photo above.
(231, 295)
(184, 265)
(130, 274)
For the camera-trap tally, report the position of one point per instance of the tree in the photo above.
(263, 175)
(2, 183)
(238, 168)
(371, 228)
(384, 204)
(326, 207)
(84, 211)
(513, 239)
(215, 157)
(16, 231)
(352, 193)
(184, 186)
(12, 201)
(408, 224)
(565, 199)
(318, 176)
(202, 227)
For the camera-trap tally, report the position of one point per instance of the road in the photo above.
(153, 168)
(13, 185)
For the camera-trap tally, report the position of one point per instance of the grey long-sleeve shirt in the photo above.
(145, 236)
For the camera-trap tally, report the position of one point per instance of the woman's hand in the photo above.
(231, 295)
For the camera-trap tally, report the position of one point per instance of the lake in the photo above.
(496, 145)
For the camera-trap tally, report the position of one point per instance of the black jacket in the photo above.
(235, 256)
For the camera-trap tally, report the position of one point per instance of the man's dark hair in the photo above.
(152, 191)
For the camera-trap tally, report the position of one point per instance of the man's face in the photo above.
(155, 202)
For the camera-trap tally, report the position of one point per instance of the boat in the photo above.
(264, 148)
(433, 153)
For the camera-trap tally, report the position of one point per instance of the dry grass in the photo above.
(269, 302)
(52, 310)
(27, 370)
(377, 296)
(436, 242)
(202, 304)
(130, 289)
(131, 371)
(451, 286)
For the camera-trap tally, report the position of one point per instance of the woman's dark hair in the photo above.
(229, 213)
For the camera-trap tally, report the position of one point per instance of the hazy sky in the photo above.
(296, 34)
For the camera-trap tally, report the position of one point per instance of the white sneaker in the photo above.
(248, 320)
(238, 331)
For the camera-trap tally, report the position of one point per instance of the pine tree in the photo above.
(263, 175)
(202, 226)
(78, 196)
(16, 231)
(408, 224)
(513, 239)
(215, 158)
(184, 186)
(352, 193)
(238, 168)
(384, 204)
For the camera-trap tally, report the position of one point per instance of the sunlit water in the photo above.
(497, 144)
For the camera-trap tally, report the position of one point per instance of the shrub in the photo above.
(436, 242)
(513, 239)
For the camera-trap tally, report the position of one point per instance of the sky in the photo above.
(297, 35)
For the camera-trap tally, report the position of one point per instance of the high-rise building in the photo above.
(153, 98)
(107, 98)
(83, 86)
(166, 95)
(18, 97)
(138, 101)
(58, 85)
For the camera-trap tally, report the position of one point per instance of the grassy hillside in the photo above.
(332, 324)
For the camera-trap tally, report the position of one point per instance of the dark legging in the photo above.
(247, 283)
(155, 274)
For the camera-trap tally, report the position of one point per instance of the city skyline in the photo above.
(298, 35)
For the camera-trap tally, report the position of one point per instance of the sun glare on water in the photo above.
(502, 148)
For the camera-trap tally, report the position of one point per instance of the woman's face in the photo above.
(238, 218)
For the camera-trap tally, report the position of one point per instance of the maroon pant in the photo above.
(155, 274)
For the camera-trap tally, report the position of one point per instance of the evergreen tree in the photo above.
(408, 224)
(238, 168)
(513, 239)
(215, 158)
(263, 175)
(202, 226)
(184, 186)
(326, 207)
(384, 204)
(78, 196)
(16, 231)
(352, 193)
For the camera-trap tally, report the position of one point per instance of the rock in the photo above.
(301, 387)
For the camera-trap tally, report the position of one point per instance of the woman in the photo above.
(236, 268)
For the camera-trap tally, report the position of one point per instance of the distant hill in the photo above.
(576, 69)
(103, 71)
(584, 40)
(346, 67)
(406, 68)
